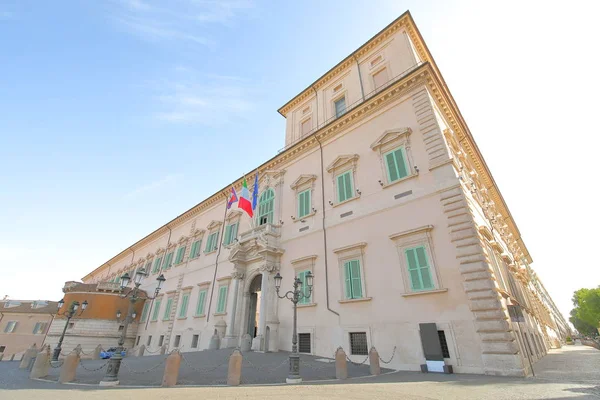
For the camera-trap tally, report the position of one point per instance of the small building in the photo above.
(98, 324)
(24, 323)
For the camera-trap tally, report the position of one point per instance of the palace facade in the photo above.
(380, 192)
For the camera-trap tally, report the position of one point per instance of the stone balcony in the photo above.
(269, 234)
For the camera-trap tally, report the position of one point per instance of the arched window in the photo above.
(265, 207)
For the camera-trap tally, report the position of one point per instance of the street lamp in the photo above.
(294, 296)
(69, 313)
(112, 371)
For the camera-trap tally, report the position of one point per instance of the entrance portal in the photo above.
(254, 306)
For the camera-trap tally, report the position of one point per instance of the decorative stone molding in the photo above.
(224, 278)
(411, 232)
(232, 215)
(237, 274)
(271, 178)
(160, 250)
(198, 233)
(342, 161)
(302, 181)
(183, 239)
(358, 246)
(270, 267)
(308, 259)
(214, 224)
(393, 138)
(149, 256)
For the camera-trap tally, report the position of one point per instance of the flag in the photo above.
(255, 192)
(244, 202)
(233, 198)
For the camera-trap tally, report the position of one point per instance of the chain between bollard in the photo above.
(93, 369)
(57, 366)
(264, 369)
(152, 352)
(145, 371)
(391, 358)
(202, 370)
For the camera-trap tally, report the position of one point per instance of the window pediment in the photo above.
(149, 256)
(303, 180)
(342, 161)
(198, 233)
(182, 240)
(233, 214)
(392, 137)
(214, 224)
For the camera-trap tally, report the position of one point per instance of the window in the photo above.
(157, 263)
(149, 340)
(39, 327)
(340, 106)
(304, 343)
(306, 126)
(180, 254)
(358, 344)
(304, 288)
(137, 341)
(161, 339)
(195, 341)
(201, 301)
(344, 186)
(184, 305)
(121, 327)
(211, 242)
(177, 340)
(266, 207)
(222, 301)
(195, 250)
(352, 279)
(444, 344)
(380, 78)
(2, 348)
(167, 313)
(230, 233)
(10, 327)
(156, 310)
(168, 261)
(395, 162)
(418, 268)
(304, 203)
(145, 312)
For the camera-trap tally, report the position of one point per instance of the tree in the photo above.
(586, 314)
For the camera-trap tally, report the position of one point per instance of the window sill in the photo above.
(355, 300)
(298, 219)
(387, 185)
(346, 201)
(424, 292)
(208, 252)
(220, 313)
(181, 318)
(200, 316)
(154, 320)
(307, 305)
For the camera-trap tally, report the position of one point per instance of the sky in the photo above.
(118, 115)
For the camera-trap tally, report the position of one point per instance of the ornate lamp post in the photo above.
(112, 372)
(69, 313)
(294, 296)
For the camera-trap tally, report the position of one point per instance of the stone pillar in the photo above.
(264, 302)
(141, 350)
(234, 373)
(41, 364)
(341, 365)
(69, 367)
(29, 354)
(171, 370)
(231, 338)
(374, 367)
(96, 355)
(215, 341)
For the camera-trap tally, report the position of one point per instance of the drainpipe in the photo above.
(152, 302)
(324, 229)
(362, 90)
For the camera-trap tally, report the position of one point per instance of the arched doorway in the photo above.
(254, 305)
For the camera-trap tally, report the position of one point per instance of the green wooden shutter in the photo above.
(302, 277)
(184, 305)
(413, 269)
(303, 203)
(348, 185)
(227, 238)
(234, 231)
(222, 299)
(193, 249)
(399, 154)
(157, 263)
(201, 300)
(348, 279)
(390, 161)
(180, 253)
(156, 310)
(145, 312)
(356, 279)
(424, 269)
(341, 190)
(167, 313)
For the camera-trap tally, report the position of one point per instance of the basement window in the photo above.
(358, 344)
(444, 344)
(304, 343)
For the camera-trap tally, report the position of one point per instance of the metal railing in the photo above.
(355, 104)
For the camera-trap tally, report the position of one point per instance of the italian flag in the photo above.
(245, 203)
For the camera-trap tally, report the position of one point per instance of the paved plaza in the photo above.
(571, 372)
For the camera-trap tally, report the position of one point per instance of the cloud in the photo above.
(182, 21)
(152, 186)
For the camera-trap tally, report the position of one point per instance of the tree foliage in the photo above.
(585, 317)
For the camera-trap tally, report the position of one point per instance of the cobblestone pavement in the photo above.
(571, 372)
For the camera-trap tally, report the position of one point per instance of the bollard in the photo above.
(234, 373)
(70, 363)
(41, 364)
(141, 350)
(171, 370)
(29, 354)
(96, 355)
(163, 349)
(1, 356)
(374, 362)
(215, 342)
(341, 366)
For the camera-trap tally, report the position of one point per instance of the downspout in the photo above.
(152, 302)
(362, 90)
(324, 229)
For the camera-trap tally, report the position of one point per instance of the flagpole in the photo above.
(220, 240)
